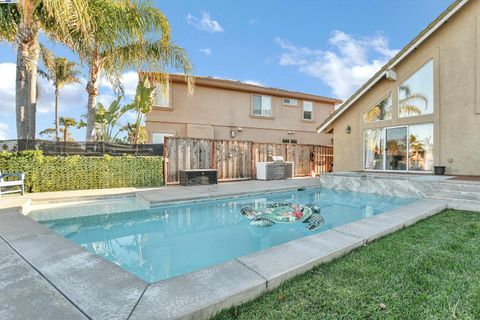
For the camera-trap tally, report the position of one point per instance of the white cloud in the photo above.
(72, 96)
(129, 81)
(72, 101)
(7, 89)
(4, 131)
(344, 68)
(206, 51)
(247, 81)
(254, 82)
(205, 23)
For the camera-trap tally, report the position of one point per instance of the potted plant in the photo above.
(439, 170)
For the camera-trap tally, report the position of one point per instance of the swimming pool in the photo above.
(172, 240)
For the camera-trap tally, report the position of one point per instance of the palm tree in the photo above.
(407, 98)
(67, 122)
(416, 145)
(135, 136)
(143, 103)
(382, 111)
(21, 24)
(49, 133)
(106, 119)
(118, 42)
(61, 72)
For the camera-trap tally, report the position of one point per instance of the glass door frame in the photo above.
(384, 140)
(385, 148)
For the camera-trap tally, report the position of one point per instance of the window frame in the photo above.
(252, 109)
(391, 109)
(165, 134)
(384, 131)
(169, 92)
(431, 60)
(290, 104)
(303, 110)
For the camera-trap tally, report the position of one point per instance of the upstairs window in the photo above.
(307, 110)
(381, 111)
(290, 102)
(162, 96)
(415, 95)
(262, 106)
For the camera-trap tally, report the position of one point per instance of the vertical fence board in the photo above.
(235, 160)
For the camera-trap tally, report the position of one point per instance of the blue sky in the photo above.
(322, 47)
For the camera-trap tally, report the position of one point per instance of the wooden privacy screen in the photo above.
(235, 159)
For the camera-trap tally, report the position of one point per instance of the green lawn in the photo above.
(428, 271)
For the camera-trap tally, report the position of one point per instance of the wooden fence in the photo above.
(235, 159)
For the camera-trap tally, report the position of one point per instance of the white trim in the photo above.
(393, 64)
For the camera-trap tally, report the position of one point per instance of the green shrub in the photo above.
(57, 173)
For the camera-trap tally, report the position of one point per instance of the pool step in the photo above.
(463, 187)
(454, 203)
(450, 194)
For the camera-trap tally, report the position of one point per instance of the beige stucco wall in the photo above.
(227, 110)
(454, 48)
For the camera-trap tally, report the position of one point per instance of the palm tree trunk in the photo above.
(137, 128)
(56, 113)
(26, 77)
(92, 90)
(65, 133)
(20, 93)
(32, 90)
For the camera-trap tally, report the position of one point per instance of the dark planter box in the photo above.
(198, 177)
(439, 170)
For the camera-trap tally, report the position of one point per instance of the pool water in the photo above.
(171, 240)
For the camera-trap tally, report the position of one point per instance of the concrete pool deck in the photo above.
(45, 276)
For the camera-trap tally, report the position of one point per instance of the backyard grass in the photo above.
(428, 271)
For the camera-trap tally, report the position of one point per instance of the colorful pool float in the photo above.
(284, 213)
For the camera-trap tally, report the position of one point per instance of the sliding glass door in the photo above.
(404, 148)
(396, 149)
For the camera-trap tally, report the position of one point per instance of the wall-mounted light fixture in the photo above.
(291, 132)
(239, 129)
(232, 134)
(348, 130)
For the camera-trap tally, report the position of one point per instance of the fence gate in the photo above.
(235, 160)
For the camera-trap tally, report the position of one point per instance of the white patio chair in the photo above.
(12, 186)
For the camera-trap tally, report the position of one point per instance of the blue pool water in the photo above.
(168, 241)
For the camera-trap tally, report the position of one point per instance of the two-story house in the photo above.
(225, 109)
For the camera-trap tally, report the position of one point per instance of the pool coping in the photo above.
(101, 290)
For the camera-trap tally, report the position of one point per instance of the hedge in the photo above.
(58, 173)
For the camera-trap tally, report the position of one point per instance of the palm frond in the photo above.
(154, 56)
(60, 70)
(9, 21)
(42, 74)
